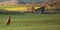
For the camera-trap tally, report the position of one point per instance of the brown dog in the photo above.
(8, 20)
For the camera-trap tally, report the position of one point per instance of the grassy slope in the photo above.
(16, 8)
(31, 22)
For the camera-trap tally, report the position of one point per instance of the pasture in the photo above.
(31, 22)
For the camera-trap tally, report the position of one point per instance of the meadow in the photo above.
(31, 22)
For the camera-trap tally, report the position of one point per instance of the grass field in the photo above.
(31, 22)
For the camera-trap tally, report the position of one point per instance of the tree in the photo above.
(58, 3)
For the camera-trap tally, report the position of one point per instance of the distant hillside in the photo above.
(4, 0)
(30, 1)
(26, 1)
(23, 1)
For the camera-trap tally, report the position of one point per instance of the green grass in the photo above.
(31, 22)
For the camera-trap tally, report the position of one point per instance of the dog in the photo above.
(8, 20)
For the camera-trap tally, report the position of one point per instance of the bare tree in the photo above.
(58, 3)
